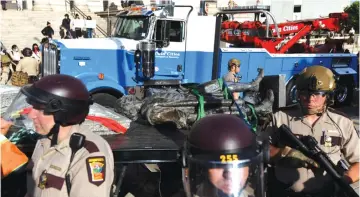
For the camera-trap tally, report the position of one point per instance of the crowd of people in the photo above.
(69, 30)
(16, 64)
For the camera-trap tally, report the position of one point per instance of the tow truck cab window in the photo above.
(135, 27)
(176, 31)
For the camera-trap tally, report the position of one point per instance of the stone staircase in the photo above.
(23, 28)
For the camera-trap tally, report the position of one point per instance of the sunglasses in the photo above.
(312, 93)
(236, 65)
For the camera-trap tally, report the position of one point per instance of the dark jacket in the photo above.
(48, 31)
(66, 23)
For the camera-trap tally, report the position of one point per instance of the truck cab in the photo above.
(107, 67)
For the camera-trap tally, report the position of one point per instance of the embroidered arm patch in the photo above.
(96, 169)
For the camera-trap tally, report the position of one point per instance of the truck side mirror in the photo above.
(164, 34)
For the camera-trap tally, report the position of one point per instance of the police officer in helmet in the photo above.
(296, 174)
(58, 105)
(222, 158)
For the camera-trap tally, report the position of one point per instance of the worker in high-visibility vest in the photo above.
(11, 157)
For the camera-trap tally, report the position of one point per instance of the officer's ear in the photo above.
(330, 98)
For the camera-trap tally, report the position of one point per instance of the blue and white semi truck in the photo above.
(187, 50)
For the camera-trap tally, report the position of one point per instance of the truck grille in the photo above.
(50, 60)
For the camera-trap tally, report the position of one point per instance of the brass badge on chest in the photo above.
(328, 142)
(42, 180)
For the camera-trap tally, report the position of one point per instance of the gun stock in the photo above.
(308, 146)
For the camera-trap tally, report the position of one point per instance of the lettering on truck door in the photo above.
(169, 60)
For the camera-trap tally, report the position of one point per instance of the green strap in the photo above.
(223, 88)
(201, 108)
(254, 121)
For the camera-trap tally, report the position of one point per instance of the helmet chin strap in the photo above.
(317, 112)
(54, 132)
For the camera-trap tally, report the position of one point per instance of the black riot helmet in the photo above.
(222, 157)
(65, 97)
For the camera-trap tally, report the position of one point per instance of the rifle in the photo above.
(308, 146)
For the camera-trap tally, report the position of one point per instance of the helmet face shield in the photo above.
(18, 111)
(228, 177)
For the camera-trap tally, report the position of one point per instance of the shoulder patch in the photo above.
(91, 146)
(96, 169)
(332, 110)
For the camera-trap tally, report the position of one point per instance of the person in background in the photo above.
(6, 63)
(65, 24)
(77, 29)
(15, 54)
(89, 30)
(3, 4)
(29, 65)
(36, 52)
(19, 4)
(231, 76)
(48, 30)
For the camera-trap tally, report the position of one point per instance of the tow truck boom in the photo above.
(252, 33)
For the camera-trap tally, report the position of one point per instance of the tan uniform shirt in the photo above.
(29, 65)
(336, 135)
(231, 77)
(91, 171)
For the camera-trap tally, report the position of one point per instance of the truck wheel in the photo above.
(344, 91)
(291, 92)
(104, 99)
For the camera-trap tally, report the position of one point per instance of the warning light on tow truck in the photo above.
(101, 76)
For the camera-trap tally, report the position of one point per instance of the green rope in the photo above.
(201, 108)
(223, 88)
(254, 119)
(253, 124)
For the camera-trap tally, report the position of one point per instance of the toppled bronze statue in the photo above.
(184, 106)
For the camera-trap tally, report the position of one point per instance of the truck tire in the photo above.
(291, 92)
(104, 99)
(344, 91)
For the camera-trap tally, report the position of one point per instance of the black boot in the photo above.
(253, 86)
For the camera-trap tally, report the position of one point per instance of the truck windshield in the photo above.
(135, 28)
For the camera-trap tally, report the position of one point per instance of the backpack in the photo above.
(19, 78)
